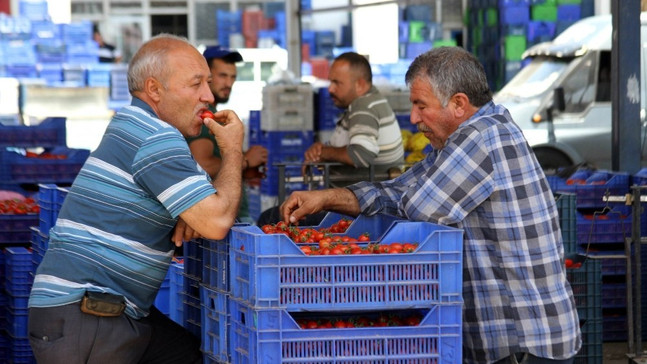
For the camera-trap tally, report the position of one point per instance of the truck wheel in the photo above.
(551, 160)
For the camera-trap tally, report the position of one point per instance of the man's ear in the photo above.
(153, 88)
(361, 86)
(460, 103)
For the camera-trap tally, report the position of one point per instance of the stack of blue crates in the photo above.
(285, 130)
(274, 286)
(600, 228)
(501, 30)
(228, 22)
(17, 277)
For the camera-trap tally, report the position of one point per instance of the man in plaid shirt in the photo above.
(483, 178)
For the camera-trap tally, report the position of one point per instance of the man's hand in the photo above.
(256, 156)
(228, 130)
(183, 232)
(300, 204)
(312, 155)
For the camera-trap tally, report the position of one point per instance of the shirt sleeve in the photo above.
(165, 168)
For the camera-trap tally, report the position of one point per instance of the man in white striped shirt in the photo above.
(367, 132)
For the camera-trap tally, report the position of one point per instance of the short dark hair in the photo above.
(359, 64)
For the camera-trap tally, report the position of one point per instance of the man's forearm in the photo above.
(342, 200)
(336, 154)
(228, 181)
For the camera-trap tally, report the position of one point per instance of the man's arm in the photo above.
(318, 152)
(213, 216)
(202, 150)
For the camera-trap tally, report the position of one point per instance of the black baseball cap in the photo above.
(221, 52)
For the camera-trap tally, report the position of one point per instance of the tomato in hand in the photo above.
(207, 114)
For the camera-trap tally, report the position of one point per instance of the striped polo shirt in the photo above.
(371, 132)
(113, 232)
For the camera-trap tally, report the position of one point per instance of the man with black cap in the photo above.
(222, 64)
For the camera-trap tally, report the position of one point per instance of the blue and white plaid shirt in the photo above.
(486, 181)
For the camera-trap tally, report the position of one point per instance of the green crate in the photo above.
(417, 31)
(514, 46)
(567, 220)
(444, 43)
(543, 12)
(563, 2)
(491, 17)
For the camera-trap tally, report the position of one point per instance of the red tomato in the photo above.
(364, 237)
(568, 262)
(206, 114)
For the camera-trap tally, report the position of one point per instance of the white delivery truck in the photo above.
(578, 61)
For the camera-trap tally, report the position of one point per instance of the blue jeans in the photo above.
(525, 358)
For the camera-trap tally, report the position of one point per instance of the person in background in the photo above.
(138, 196)
(108, 53)
(222, 64)
(367, 133)
(481, 177)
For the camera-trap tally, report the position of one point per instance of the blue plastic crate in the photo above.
(272, 271)
(586, 283)
(569, 12)
(215, 261)
(215, 323)
(273, 336)
(191, 303)
(591, 186)
(279, 142)
(514, 14)
(20, 351)
(608, 227)
(540, 31)
(567, 210)
(175, 291)
(591, 351)
(77, 32)
(162, 300)
(18, 168)
(17, 322)
(39, 243)
(33, 9)
(193, 260)
(15, 228)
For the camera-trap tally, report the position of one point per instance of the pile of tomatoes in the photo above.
(322, 241)
(383, 320)
(19, 207)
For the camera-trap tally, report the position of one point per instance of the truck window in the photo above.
(604, 78)
(579, 85)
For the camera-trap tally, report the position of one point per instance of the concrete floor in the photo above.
(616, 353)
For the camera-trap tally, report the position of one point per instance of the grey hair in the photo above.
(150, 61)
(450, 70)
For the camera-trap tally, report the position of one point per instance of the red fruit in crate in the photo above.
(568, 263)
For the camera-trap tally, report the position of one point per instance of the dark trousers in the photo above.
(525, 358)
(65, 335)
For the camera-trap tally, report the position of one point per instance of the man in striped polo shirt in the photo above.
(367, 132)
(138, 196)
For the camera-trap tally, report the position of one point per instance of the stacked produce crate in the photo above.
(585, 277)
(32, 159)
(501, 30)
(18, 277)
(287, 306)
(285, 130)
(601, 229)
